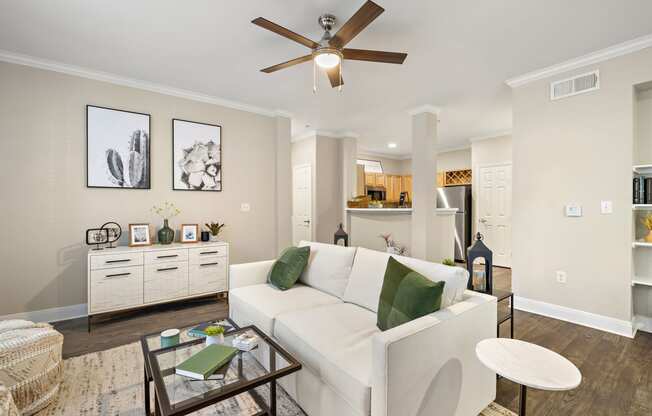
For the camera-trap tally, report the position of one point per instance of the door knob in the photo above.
(307, 221)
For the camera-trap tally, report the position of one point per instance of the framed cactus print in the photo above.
(196, 156)
(117, 148)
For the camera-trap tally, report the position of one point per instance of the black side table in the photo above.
(509, 316)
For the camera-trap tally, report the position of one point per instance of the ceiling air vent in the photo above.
(576, 85)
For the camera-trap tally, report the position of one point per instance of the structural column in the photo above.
(283, 183)
(349, 156)
(424, 182)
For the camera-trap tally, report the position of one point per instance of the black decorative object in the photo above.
(480, 250)
(340, 234)
(205, 236)
(113, 232)
(97, 236)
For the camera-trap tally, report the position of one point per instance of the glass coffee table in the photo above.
(180, 395)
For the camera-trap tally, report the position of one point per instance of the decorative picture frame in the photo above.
(189, 233)
(117, 148)
(196, 156)
(139, 235)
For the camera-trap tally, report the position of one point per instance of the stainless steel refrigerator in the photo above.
(458, 197)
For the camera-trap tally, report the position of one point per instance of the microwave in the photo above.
(376, 193)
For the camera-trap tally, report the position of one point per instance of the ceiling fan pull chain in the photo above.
(340, 86)
(314, 77)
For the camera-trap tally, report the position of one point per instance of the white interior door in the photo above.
(495, 211)
(301, 203)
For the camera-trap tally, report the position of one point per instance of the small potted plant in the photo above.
(647, 221)
(214, 228)
(448, 262)
(214, 334)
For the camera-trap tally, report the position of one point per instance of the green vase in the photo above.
(165, 234)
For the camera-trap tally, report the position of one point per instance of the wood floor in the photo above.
(616, 371)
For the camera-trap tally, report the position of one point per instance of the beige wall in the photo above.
(46, 206)
(454, 160)
(577, 150)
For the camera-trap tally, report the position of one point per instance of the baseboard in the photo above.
(592, 320)
(51, 315)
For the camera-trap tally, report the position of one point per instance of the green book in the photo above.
(204, 363)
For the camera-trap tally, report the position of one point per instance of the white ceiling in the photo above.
(460, 53)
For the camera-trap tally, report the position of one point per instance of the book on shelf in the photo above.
(204, 363)
(648, 191)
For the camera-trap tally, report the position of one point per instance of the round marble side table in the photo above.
(529, 365)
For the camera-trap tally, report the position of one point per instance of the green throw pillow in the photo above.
(406, 295)
(289, 266)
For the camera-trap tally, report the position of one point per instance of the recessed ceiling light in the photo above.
(392, 145)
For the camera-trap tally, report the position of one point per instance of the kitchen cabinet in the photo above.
(380, 180)
(406, 185)
(370, 179)
(360, 181)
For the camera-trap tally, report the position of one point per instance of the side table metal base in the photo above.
(523, 401)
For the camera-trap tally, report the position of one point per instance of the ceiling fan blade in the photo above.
(361, 19)
(280, 30)
(334, 76)
(287, 64)
(374, 56)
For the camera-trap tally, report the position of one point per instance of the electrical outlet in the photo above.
(561, 276)
(245, 207)
(606, 207)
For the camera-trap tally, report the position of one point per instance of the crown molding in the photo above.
(491, 136)
(431, 109)
(282, 113)
(326, 133)
(593, 58)
(446, 149)
(374, 153)
(34, 62)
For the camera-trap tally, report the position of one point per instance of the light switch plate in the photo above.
(606, 207)
(573, 210)
(245, 207)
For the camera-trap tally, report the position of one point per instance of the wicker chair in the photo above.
(30, 364)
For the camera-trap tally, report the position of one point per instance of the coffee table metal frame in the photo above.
(163, 407)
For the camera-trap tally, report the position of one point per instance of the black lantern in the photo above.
(479, 250)
(340, 234)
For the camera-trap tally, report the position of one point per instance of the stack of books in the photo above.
(209, 360)
(642, 190)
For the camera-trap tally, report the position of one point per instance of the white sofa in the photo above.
(328, 322)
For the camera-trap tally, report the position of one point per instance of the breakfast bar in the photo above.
(365, 226)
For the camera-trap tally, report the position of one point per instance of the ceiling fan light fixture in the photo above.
(327, 58)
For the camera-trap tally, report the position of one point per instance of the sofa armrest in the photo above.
(248, 274)
(429, 366)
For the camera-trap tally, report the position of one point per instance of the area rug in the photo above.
(111, 383)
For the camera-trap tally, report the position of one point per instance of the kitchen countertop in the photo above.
(438, 211)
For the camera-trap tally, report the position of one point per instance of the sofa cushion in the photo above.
(366, 278)
(260, 304)
(406, 295)
(288, 267)
(334, 342)
(328, 268)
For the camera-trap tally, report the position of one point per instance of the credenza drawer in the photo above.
(197, 255)
(208, 276)
(164, 256)
(116, 260)
(165, 281)
(116, 288)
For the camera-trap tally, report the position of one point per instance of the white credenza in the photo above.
(129, 277)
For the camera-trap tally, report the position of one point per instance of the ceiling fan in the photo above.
(329, 52)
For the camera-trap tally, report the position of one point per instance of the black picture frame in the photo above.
(148, 149)
(174, 162)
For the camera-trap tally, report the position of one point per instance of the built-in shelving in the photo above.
(641, 244)
(642, 281)
(642, 169)
(641, 260)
